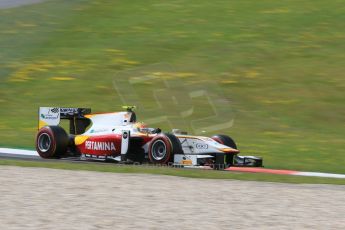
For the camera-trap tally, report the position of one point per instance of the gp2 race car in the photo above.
(117, 136)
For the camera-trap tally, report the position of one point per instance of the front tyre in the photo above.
(163, 147)
(51, 142)
(228, 141)
(225, 140)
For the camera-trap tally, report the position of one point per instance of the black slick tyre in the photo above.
(228, 141)
(163, 147)
(52, 142)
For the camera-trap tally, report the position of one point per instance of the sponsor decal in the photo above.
(68, 110)
(98, 130)
(54, 110)
(51, 115)
(201, 146)
(186, 162)
(98, 145)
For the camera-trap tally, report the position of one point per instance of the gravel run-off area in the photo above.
(39, 198)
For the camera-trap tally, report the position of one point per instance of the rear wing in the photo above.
(53, 115)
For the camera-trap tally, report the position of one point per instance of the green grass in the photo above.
(281, 64)
(190, 173)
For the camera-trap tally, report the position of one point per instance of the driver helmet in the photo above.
(140, 125)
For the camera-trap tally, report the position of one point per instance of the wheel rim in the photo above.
(159, 150)
(44, 142)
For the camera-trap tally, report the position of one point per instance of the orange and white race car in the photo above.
(117, 136)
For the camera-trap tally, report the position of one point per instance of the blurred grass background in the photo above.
(281, 63)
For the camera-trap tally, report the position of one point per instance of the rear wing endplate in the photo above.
(53, 115)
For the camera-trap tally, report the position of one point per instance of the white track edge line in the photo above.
(18, 151)
(320, 174)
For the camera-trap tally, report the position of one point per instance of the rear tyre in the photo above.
(228, 141)
(52, 142)
(163, 147)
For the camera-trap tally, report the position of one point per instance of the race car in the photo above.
(118, 137)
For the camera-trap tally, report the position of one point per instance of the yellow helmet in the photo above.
(140, 125)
